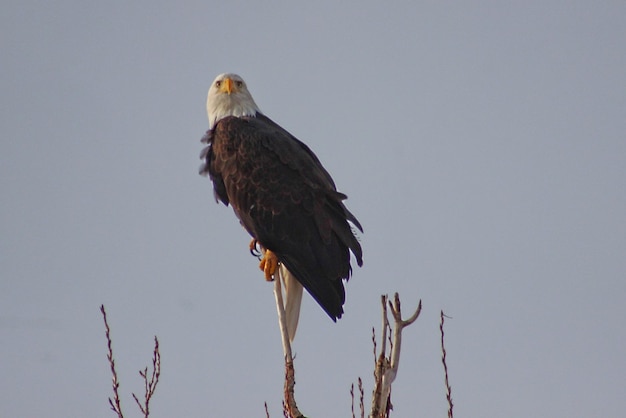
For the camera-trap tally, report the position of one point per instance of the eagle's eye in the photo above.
(239, 83)
(218, 83)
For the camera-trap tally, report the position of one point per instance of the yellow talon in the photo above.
(268, 265)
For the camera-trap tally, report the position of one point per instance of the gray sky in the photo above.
(482, 146)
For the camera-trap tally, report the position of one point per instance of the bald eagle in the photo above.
(282, 196)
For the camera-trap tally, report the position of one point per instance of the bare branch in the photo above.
(115, 401)
(374, 343)
(385, 326)
(381, 362)
(352, 397)
(387, 367)
(290, 382)
(361, 398)
(286, 413)
(150, 384)
(399, 324)
(445, 368)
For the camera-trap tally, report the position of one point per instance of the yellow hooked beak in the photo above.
(227, 86)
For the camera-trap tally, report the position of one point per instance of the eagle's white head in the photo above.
(229, 96)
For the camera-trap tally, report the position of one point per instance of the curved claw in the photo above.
(255, 248)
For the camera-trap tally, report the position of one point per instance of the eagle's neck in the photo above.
(225, 105)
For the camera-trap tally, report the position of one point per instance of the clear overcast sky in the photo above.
(482, 146)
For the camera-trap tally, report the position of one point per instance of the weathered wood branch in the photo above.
(290, 381)
(387, 366)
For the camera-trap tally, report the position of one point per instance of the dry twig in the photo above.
(115, 401)
(352, 397)
(361, 399)
(445, 368)
(149, 384)
(382, 363)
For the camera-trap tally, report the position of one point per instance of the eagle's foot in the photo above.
(268, 264)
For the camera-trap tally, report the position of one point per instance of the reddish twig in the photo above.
(115, 401)
(361, 398)
(445, 368)
(150, 384)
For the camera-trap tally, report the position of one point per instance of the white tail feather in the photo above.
(293, 300)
